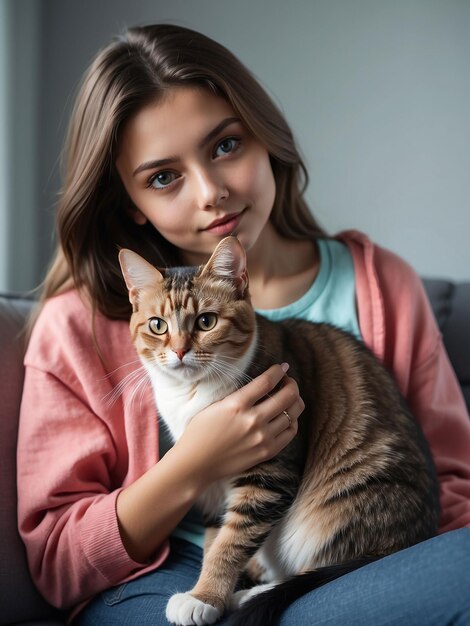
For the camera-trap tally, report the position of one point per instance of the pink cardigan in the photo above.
(77, 448)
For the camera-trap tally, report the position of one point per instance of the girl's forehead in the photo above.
(180, 119)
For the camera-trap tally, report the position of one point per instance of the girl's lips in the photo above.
(227, 226)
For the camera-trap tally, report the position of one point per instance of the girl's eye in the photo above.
(162, 179)
(230, 144)
(158, 326)
(206, 321)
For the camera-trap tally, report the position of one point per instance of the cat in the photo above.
(356, 483)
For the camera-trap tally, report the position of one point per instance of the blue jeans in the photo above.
(426, 585)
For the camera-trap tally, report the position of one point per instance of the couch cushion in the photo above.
(451, 305)
(457, 336)
(19, 599)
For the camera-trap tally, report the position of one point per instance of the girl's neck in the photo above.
(281, 270)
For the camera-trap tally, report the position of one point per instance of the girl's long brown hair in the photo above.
(93, 218)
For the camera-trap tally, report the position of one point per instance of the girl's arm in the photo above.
(436, 399)
(67, 465)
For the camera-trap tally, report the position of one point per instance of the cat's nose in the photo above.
(180, 352)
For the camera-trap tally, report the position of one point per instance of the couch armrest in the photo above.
(19, 599)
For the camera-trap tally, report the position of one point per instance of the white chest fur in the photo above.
(179, 399)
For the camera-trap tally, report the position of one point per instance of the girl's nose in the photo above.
(212, 190)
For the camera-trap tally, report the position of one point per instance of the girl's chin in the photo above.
(246, 237)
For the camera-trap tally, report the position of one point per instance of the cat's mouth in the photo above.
(185, 372)
(186, 367)
(182, 365)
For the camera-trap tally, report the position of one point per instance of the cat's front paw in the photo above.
(184, 609)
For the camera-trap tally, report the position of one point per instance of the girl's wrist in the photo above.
(194, 476)
(149, 509)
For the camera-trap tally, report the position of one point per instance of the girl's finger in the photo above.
(285, 436)
(288, 418)
(281, 422)
(280, 400)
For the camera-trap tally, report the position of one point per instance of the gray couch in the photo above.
(20, 603)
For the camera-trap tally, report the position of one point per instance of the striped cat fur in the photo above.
(355, 484)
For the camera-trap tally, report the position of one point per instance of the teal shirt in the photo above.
(332, 299)
(332, 296)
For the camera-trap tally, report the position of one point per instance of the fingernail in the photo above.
(285, 367)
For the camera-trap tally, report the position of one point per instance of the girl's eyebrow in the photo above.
(150, 165)
(219, 128)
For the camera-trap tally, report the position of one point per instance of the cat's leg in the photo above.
(259, 499)
(264, 568)
(209, 536)
(254, 570)
(226, 558)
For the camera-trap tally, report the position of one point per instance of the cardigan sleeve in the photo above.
(414, 350)
(72, 461)
(435, 398)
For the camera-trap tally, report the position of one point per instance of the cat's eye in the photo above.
(206, 321)
(158, 326)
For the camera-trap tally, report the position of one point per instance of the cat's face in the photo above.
(191, 323)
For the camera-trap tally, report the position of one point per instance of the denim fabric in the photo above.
(426, 585)
(142, 601)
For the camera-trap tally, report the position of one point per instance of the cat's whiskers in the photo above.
(120, 367)
(138, 378)
(112, 396)
(215, 375)
(227, 370)
(244, 378)
(262, 349)
(139, 389)
(223, 360)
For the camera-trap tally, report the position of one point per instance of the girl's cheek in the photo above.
(247, 180)
(261, 180)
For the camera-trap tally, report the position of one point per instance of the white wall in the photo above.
(376, 91)
(19, 97)
(4, 167)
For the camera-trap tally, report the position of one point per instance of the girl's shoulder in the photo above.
(68, 305)
(66, 316)
(374, 261)
(67, 332)
(384, 280)
(395, 315)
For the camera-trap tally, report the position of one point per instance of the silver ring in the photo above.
(288, 417)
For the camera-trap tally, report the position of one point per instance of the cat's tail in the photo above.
(266, 608)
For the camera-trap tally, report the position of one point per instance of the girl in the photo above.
(173, 145)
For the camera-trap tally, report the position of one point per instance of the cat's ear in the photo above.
(229, 261)
(138, 273)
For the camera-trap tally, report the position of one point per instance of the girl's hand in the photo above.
(245, 428)
(223, 440)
